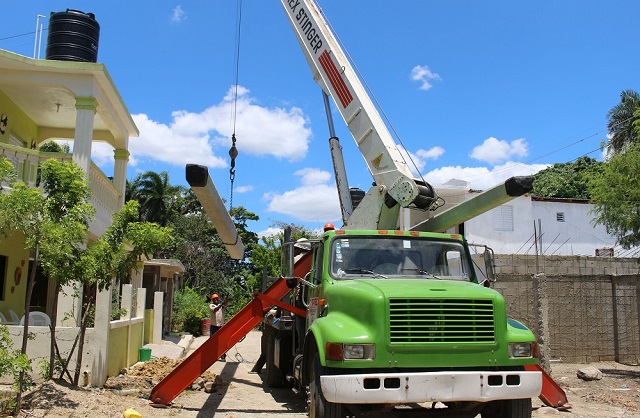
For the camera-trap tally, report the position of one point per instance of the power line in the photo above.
(18, 36)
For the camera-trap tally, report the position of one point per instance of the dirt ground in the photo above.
(236, 393)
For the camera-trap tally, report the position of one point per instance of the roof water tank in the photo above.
(73, 36)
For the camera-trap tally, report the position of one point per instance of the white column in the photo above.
(157, 317)
(85, 114)
(126, 300)
(121, 158)
(100, 342)
(141, 299)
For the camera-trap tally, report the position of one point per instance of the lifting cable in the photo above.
(233, 151)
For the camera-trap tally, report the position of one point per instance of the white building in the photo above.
(531, 225)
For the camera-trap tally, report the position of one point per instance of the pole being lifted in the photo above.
(200, 181)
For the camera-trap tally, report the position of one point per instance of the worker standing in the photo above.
(217, 316)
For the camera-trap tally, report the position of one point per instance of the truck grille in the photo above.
(418, 320)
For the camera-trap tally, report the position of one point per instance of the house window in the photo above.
(503, 218)
(3, 275)
(560, 216)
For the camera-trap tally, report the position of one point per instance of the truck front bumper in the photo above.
(400, 388)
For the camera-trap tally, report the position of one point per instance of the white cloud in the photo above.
(243, 189)
(424, 75)
(494, 150)
(193, 137)
(315, 200)
(420, 157)
(430, 154)
(101, 153)
(269, 232)
(482, 178)
(313, 176)
(178, 15)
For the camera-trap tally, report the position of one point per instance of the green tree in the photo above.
(52, 146)
(566, 180)
(621, 120)
(156, 196)
(616, 196)
(269, 253)
(54, 224)
(108, 257)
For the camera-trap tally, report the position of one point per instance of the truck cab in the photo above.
(398, 318)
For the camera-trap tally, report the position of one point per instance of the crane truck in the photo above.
(373, 317)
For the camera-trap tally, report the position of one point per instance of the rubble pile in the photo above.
(145, 375)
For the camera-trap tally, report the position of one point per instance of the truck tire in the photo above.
(510, 408)
(274, 378)
(319, 407)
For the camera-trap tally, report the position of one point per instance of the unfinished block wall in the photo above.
(592, 304)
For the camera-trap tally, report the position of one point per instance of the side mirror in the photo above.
(489, 267)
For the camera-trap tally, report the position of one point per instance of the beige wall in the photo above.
(17, 258)
(593, 304)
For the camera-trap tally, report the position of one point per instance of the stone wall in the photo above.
(592, 303)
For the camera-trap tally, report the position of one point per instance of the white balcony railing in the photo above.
(104, 196)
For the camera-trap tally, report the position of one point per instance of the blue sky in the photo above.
(477, 91)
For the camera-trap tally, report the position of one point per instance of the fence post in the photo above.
(157, 317)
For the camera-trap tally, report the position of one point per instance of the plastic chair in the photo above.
(38, 319)
(14, 317)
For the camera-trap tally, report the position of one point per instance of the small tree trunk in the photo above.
(25, 332)
(54, 319)
(83, 329)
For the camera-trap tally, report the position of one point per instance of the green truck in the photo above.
(397, 319)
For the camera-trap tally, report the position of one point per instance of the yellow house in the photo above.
(42, 100)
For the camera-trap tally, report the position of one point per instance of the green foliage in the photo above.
(7, 173)
(622, 122)
(616, 196)
(52, 146)
(269, 253)
(12, 361)
(189, 308)
(44, 366)
(566, 180)
(156, 196)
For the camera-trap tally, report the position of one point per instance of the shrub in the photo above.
(189, 308)
(12, 362)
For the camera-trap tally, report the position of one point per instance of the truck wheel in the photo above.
(510, 408)
(319, 407)
(274, 378)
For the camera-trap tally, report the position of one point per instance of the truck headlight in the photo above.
(342, 351)
(517, 350)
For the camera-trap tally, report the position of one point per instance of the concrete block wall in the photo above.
(593, 304)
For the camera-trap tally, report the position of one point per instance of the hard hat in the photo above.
(303, 244)
(215, 296)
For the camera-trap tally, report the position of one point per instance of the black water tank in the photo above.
(73, 36)
(356, 196)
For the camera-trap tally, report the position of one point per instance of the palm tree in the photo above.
(156, 196)
(620, 121)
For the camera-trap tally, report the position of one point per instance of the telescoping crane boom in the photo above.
(395, 184)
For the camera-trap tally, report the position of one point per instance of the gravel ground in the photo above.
(236, 393)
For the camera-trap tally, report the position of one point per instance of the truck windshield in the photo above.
(392, 257)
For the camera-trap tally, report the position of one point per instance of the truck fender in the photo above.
(310, 348)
